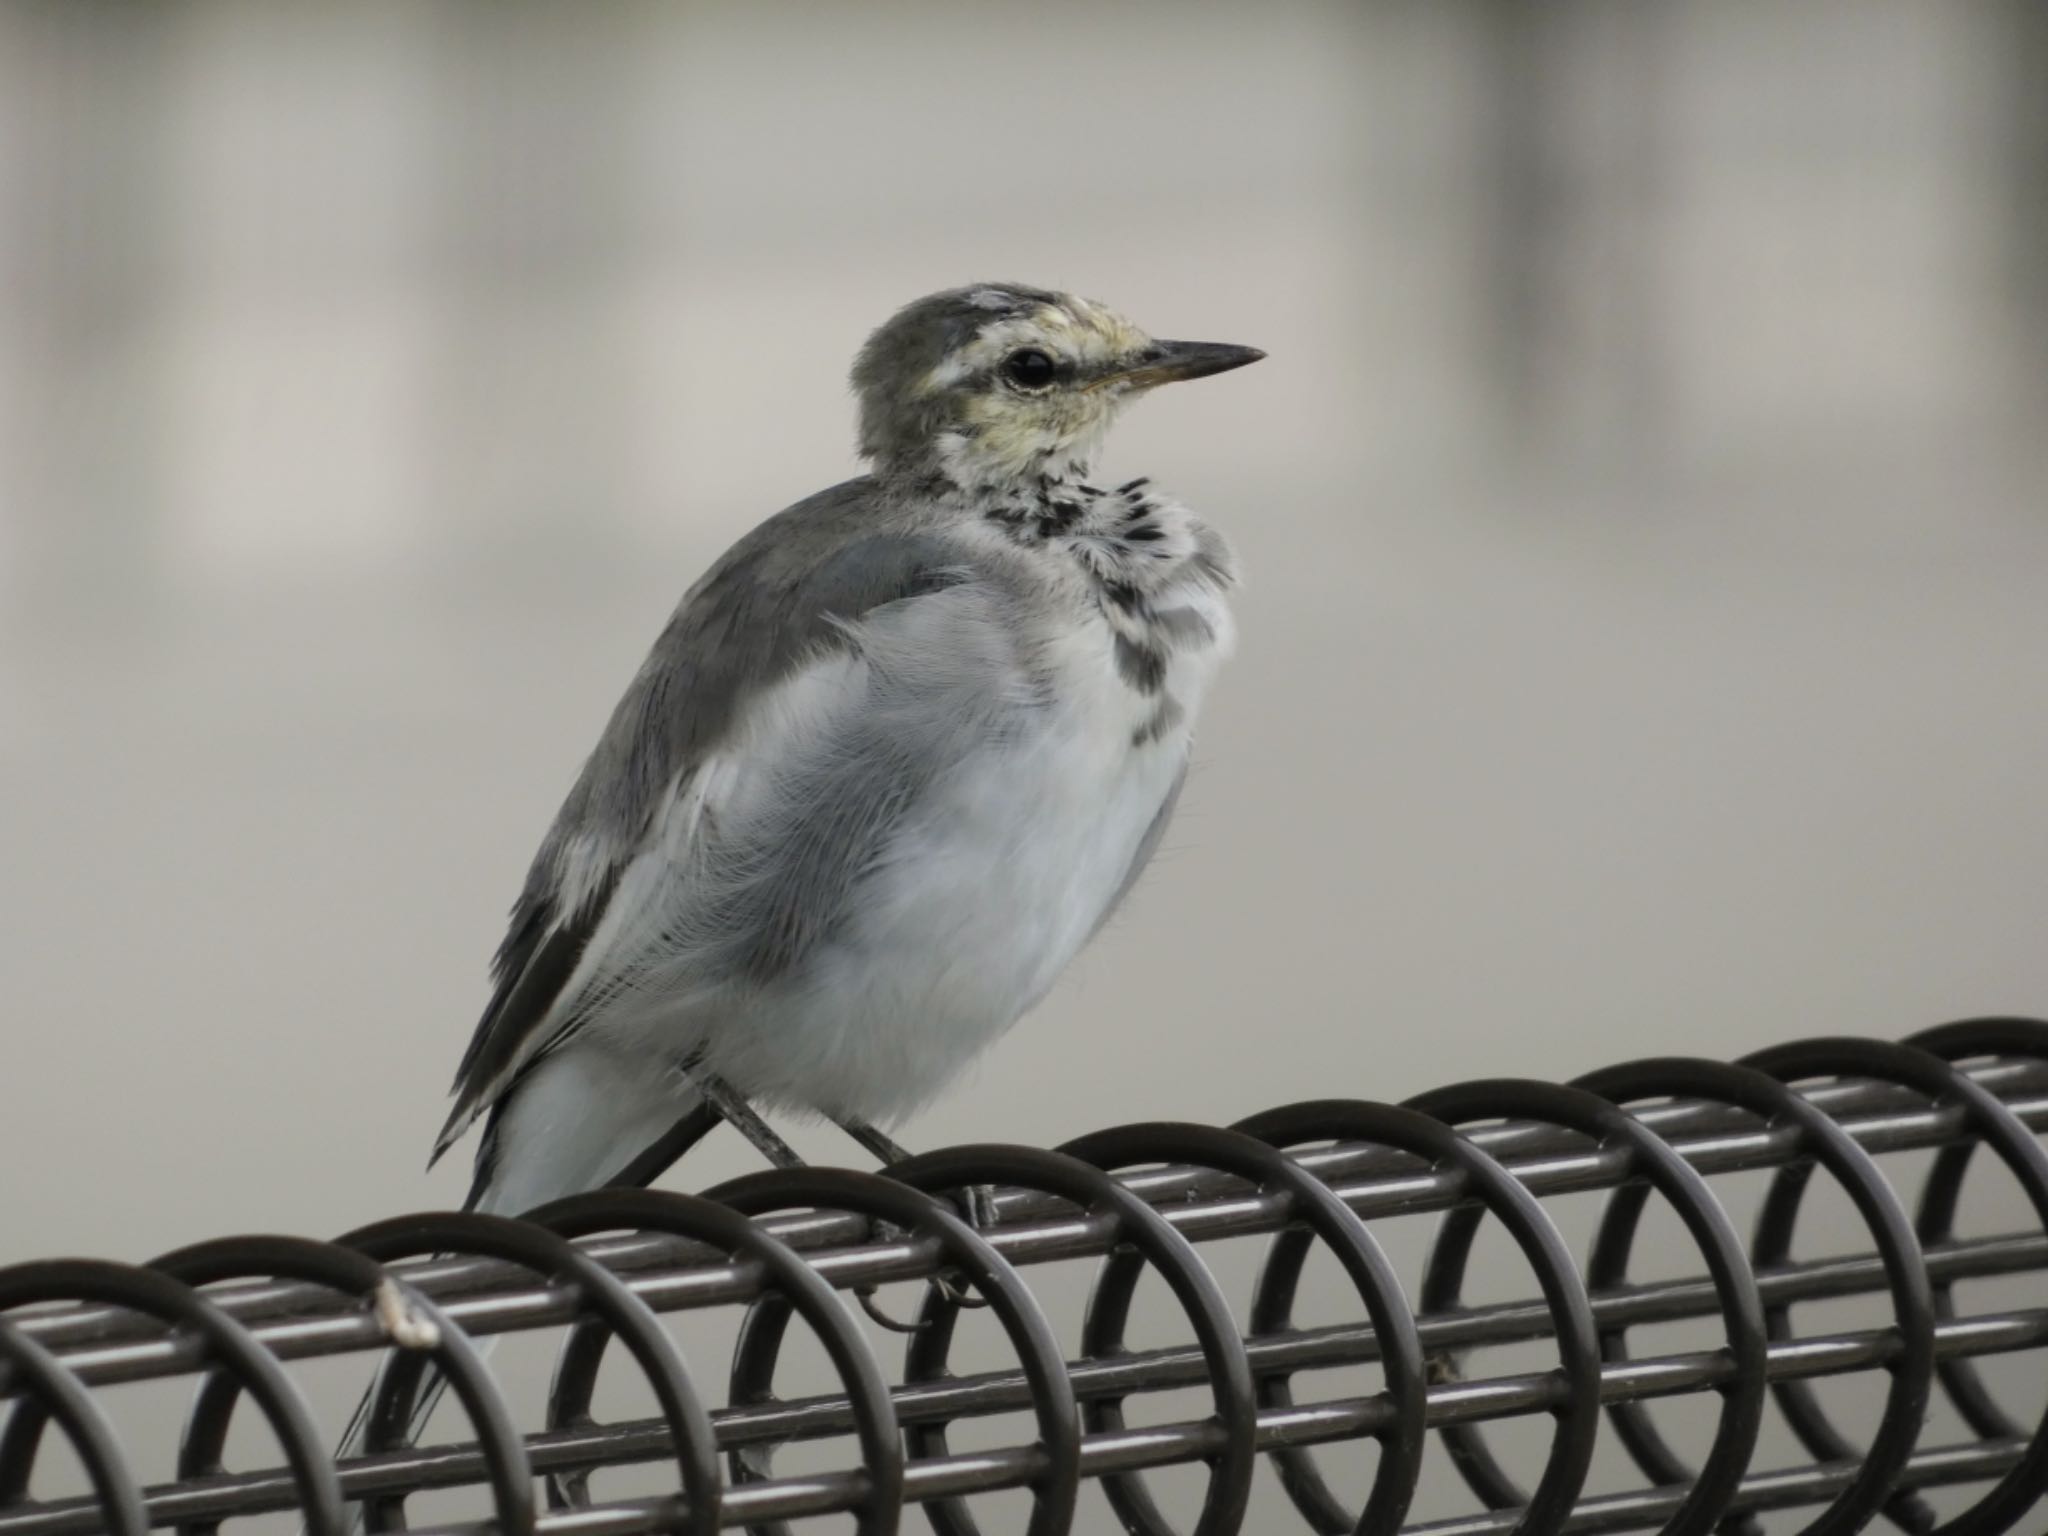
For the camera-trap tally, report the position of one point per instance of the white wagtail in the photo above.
(894, 760)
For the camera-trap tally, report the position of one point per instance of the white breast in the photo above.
(987, 891)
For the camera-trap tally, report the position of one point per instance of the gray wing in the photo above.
(781, 595)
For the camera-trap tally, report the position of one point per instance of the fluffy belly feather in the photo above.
(981, 899)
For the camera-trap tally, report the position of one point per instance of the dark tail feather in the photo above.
(692, 1127)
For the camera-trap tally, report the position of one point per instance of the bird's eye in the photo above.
(1029, 368)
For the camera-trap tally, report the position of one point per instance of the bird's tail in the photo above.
(573, 1122)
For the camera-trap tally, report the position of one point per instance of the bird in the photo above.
(896, 757)
(893, 761)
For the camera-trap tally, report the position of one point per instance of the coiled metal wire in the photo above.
(785, 1246)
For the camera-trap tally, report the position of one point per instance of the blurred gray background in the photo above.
(1646, 506)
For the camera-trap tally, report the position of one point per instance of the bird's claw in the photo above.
(944, 1284)
(865, 1295)
(977, 1204)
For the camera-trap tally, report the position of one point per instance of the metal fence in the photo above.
(1145, 1199)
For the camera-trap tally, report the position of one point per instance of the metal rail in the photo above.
(1139, 1198)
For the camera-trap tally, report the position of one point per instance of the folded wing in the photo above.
(774, 615)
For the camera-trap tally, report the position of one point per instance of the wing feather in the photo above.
(786, 593)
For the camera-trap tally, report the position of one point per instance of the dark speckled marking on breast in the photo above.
(1141, 665)
(1144, 640)
(1120, 595)
(1164, 718)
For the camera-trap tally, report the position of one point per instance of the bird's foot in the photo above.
(977, 1207)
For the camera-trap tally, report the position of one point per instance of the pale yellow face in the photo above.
(999, 384)
(1038, 387)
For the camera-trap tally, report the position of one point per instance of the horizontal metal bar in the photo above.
(1866, 1108)
(1304, 1424)
(104, 1345)
(1273, 1355)
(1784, 1489)
(1133, 1451)
(1790, 1488)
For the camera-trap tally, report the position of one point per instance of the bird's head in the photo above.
(998, 383)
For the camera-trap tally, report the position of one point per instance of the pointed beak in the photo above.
(1166, 362)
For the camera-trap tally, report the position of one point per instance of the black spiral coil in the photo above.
(786, 1245)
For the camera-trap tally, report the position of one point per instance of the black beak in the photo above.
(1166, 362)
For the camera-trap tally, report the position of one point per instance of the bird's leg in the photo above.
(877, 1142)
(977, 1203)
(721, 1096)
(724, 1098)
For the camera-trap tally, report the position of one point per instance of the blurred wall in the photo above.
(1645, 646)
(1646, 503)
